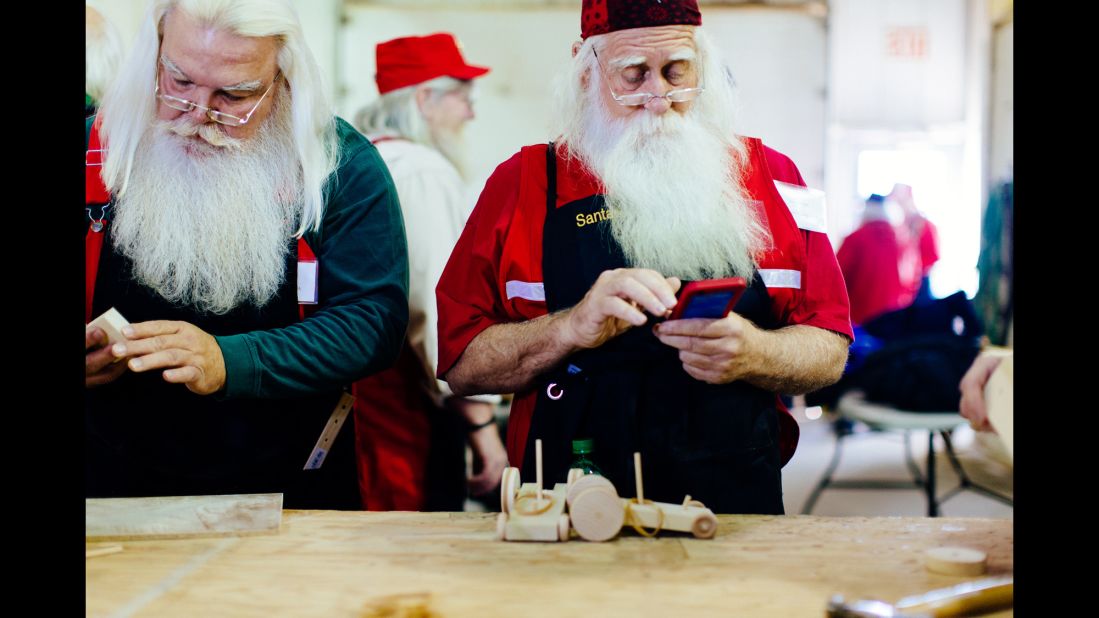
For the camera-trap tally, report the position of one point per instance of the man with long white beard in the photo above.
(575, 251)
(254, 241)
(411, 431)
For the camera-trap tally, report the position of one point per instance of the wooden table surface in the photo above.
(335, 563)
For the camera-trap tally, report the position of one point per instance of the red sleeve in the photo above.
(824, 303)
(468, 291)
(868, 260)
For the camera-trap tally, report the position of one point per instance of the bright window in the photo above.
(935, 177)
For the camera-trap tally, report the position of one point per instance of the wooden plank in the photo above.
(448, 564)
(178, 517)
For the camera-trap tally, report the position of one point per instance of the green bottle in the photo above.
(581, 457)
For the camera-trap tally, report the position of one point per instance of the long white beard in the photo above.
(209, 226)
(673, 190)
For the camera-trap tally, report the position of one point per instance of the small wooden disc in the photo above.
(563, 527)
(509, 487)
(501, 526)
(597, 514)
(704, 526)
(956, 561)
(586, 482)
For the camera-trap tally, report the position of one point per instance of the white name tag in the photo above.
(807, 205)
(307, 282)
(535, 291)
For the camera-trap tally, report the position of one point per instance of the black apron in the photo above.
(718, 443)
(146, 437)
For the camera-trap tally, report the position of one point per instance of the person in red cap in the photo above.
(558, 287)
(412, 431)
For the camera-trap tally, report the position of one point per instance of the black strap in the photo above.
(551, 178)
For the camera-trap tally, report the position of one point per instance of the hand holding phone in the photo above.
(712, 298)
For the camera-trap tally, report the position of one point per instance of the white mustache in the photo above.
(208, 132)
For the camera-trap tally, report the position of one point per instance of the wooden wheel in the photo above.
(501, 526)
(563, 527)
(509, 487)
(704, 526)
(597, 514)
(586, 482)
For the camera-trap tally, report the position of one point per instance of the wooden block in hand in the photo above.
(999, 401)
(111, 322)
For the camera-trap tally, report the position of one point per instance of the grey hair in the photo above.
(397, 112)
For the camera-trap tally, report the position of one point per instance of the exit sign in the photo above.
(906, 42)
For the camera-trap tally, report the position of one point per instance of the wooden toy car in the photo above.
(529, 513)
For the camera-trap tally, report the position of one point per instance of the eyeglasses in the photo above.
(185, 105)
(679, 95)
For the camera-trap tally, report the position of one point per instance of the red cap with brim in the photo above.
(603, 16)
(411, 60)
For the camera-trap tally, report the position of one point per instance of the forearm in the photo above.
(328, 350)
(797, 359)
(508, 358)
(473, 412)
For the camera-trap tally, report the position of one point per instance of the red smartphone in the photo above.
(712, 298)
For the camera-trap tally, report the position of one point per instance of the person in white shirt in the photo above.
(412, 429)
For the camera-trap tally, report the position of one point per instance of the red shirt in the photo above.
(871, 259)
(495, 272)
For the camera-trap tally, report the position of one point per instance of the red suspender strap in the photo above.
(305, 253)
(93, 242)
(96, 198)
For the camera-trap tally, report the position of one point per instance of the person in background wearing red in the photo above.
(872, 261)
(920, 237)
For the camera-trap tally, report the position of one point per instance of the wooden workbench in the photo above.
(446, 564)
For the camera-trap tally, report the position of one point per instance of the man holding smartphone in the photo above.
(575, 251)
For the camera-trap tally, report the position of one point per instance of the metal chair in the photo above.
(879, 417)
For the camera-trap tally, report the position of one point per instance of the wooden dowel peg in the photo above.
(538, 463)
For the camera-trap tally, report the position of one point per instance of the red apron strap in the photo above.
(93, 243)
(96, 198)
